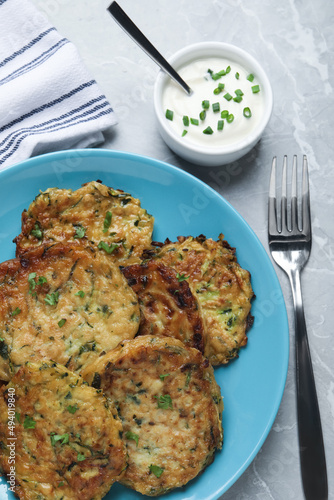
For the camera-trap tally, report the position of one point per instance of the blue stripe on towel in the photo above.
(34, 62)
(9, 154)
(48, 105)
(40, 128)
(13, 135)
(26, 47)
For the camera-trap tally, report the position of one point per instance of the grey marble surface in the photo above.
(294, 41)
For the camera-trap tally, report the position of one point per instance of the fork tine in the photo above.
(272, 207)
(306, 213)
(294, 210)
(284, 210)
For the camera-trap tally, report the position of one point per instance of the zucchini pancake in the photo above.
(93, 214)
(166, 302)
(65, 303)
(63, 436)
(170, 407)
(221, 286)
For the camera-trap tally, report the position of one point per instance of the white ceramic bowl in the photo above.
(212, 155)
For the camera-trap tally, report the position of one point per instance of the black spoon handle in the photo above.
(131, 29)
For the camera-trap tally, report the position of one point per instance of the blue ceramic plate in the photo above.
(253, 384)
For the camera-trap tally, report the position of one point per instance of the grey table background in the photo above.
(294, 41)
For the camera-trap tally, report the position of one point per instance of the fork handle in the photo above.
(311, 445)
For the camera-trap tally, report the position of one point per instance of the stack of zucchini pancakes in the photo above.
(108, 341)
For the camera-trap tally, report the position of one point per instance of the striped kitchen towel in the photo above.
(48, 99)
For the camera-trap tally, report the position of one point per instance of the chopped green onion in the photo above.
(164, 401)
(216, 76)
(230, 118)
(237, 75)
(61, 322)
(219, 89)
(184, 133)
(133, 436)
(256, 89)
(224, 113)
(157, 471)
(81, 457)
(247, 113)
(181, 277)
(64, 438)
(163, 376)
(228, 69)
(29, 423)
(52, 299)
(32, 282)
(72, 408)
(250, 77)
(228, 96)
(208, 131)
(79, 231)
(238, 92)
(220, 125)
(205, 104)
(107, 248)
(194, 121)
(238, 98)
(185, 121)
(202, 115)
(80, 293)
(216, 107)
(16, 311)
(107, 221)
(37, 232)
(169, 114)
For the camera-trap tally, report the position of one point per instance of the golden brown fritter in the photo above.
(221, 286)
(65, 303)
(96, 214)
(166, 303)
(62, 437)
(170, 406)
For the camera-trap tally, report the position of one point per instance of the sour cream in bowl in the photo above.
(227, 112)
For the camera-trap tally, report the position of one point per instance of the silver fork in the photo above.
(290, 246)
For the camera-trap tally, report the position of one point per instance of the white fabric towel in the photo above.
(48, 99)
